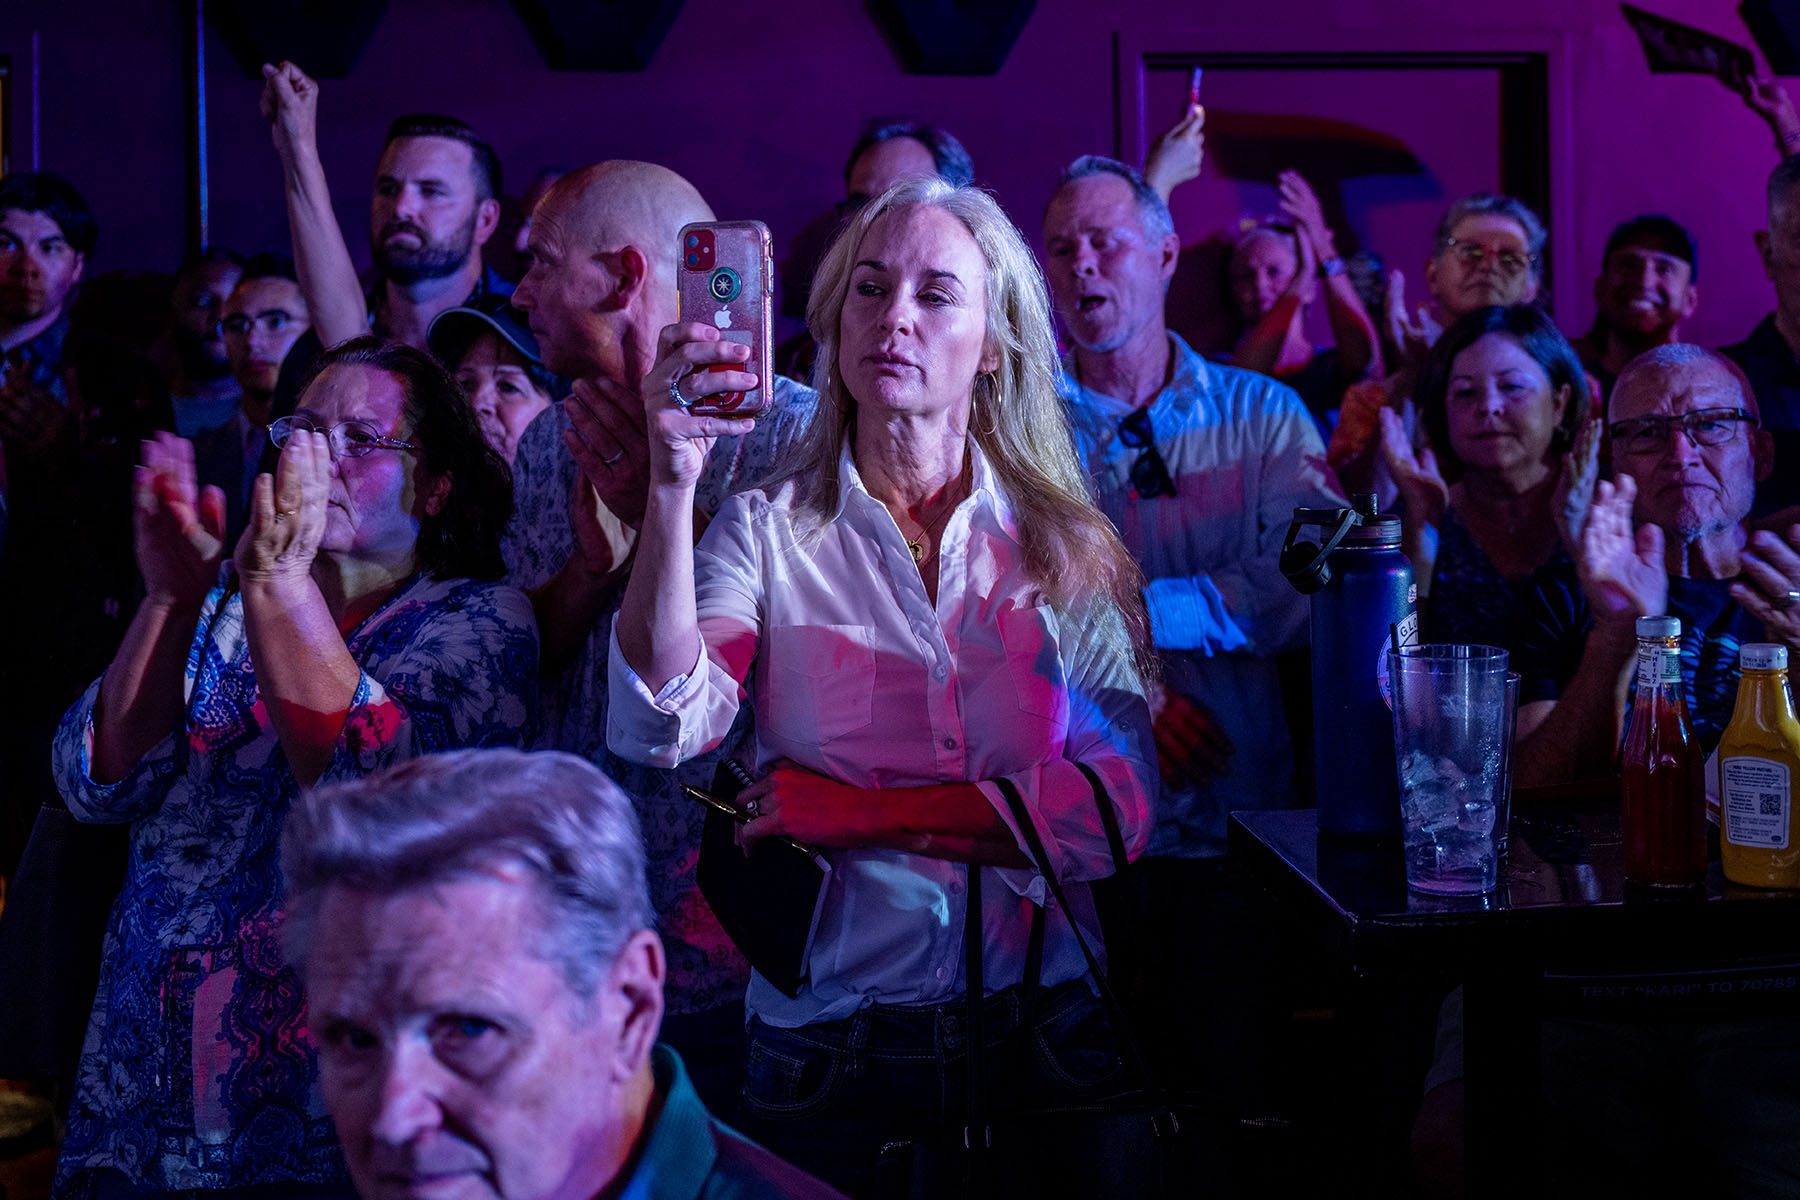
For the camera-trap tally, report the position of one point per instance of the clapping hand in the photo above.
(290, 104)
(1412, 336)
(1575, 486)
(1301, 204)
(1415, 472)
(1176, 156)
(1621, 569)
(287, 513)
(679, 440)
(606, 437)
(1769, 588)
(177, 531)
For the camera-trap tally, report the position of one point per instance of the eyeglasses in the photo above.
(349, 439)
(271, 321)
(1473, 254)
(1704, 427)
(1149, 473)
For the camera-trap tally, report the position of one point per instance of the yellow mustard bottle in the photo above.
(1759, 770)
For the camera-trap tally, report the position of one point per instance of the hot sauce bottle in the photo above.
(1663, 815)
(1759, 767)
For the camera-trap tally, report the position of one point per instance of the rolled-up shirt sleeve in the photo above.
(135, 796)
(1109, 732)
(144, 787)
(693, 712)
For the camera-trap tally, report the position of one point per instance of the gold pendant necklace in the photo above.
(916, 543)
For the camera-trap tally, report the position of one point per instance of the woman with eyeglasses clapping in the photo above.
(353, 627)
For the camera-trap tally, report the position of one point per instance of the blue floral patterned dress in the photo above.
(197, 1071)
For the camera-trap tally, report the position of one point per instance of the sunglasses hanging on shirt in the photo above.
(1149, 473)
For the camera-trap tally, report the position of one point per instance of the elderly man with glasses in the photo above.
(1667, 536)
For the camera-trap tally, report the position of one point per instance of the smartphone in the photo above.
(1194, 89)
(727, 280)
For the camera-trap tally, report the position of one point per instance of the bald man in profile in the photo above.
(600, 291)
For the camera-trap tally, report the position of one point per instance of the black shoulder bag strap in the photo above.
(1109, 820)
(1166, 1122)
(977, 1127)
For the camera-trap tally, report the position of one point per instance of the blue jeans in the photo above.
(830, 1097)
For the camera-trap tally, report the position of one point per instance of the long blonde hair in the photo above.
(1016, 416)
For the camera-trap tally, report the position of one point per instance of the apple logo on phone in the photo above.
(722, 318)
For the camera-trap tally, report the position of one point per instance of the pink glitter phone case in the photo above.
(726, 280)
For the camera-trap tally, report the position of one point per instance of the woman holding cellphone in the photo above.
(923, 603)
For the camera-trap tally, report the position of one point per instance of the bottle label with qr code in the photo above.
(1755, 802)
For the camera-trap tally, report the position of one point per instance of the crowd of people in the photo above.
(396, 617)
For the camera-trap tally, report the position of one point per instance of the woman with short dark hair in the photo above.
(1500, 398)
(353, 627)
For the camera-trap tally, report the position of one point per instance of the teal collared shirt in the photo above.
(688, 1154)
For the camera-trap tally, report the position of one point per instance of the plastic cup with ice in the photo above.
(1450, 743)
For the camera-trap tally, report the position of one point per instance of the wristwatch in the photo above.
(1331, 267)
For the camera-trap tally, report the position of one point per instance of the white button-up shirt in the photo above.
(856, 675)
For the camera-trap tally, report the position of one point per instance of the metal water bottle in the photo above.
(1349, 561)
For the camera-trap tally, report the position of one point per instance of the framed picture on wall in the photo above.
(1387, 135)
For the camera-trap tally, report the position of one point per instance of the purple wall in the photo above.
(814, 71)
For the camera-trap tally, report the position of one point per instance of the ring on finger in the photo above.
(676, 395)
(1789, 599)
(752, 808)
(282, 514)
(607, 462)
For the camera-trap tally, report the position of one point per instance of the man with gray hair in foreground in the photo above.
(473, 930)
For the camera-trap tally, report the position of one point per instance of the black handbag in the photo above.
(1142, 1143)
(768, 901)
(57, 905)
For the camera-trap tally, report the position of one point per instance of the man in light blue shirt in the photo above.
(1201, 467)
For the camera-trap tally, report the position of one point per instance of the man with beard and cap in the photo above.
(436, 204)
(599, 292)
(203, 392)
(1648, 285)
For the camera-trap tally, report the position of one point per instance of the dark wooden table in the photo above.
(1562, 934)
